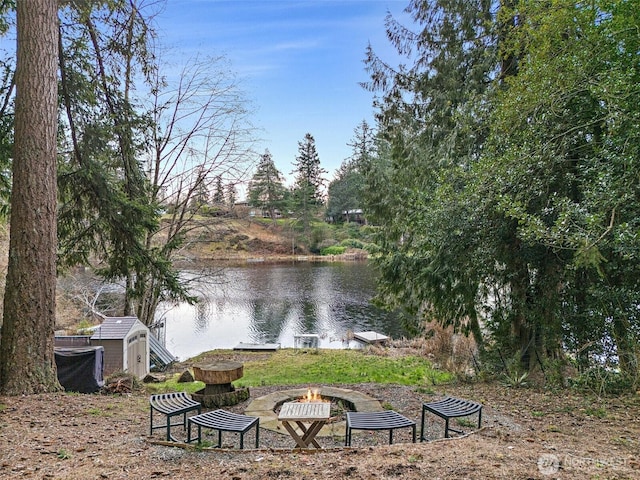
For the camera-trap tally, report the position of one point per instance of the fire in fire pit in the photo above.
(312, 396)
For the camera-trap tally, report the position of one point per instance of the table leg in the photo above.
(308, 434)
(294, 434)
(311, 432)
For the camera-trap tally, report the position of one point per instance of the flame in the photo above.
(312, 396)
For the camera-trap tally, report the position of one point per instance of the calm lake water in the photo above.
(267, 303)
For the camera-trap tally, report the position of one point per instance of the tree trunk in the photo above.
(27, 362)
(627, 347)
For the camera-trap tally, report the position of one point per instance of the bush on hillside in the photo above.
(333, 250)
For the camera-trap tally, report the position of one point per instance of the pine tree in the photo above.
(200, 196)
(431, 125)
(218, 193)
(345, 192)
(266, 189)
(362, 146)
(307, 189)
(231, 196)
(27, 362)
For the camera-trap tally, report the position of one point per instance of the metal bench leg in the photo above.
(257, 433)
(189, 437)
(391, 436)
(446, 427)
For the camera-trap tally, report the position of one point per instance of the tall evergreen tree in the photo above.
(345, 192)
(218, 192)
(231, 193)
(200, 196)
(363, 146)
(431, 127)
(510, 143)
(307, 189)
(107, 206)
(27, 362)
(266, 188)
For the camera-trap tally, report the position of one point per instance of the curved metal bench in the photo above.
(386, 420)
(170, 405)
(222, 420)
(447, 408)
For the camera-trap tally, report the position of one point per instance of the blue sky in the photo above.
(299, 62)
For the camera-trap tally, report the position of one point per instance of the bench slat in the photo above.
(170, 405)
(386, 420)
(223, 420)
(448, 408)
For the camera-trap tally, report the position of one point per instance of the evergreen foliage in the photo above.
(266, 189)
(307, 196)
(131, 146)
(218, 194)
(345, 192)
(506, 180)
(108, 208)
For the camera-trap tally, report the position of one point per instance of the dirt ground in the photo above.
(526, 434)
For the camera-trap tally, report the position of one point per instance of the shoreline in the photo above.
(236, 260)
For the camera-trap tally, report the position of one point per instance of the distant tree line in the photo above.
(307, 198)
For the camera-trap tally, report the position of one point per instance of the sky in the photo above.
(299, 62)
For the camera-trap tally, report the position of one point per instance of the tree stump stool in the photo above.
(217, 377)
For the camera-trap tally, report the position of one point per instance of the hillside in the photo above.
(230, 239)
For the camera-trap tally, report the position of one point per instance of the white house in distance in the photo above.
(126, 345)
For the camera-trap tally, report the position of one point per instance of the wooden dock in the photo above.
(370, 337)
(257, 347)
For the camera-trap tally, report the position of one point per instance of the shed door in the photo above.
(137, 355)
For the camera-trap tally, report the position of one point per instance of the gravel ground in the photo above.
(526, 433)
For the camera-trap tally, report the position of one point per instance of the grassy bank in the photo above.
(325, 366)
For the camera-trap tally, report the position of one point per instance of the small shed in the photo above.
(126, 345)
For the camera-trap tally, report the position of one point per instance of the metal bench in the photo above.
(170, 405)
(386, 420)
(448, 408)
(222, 420)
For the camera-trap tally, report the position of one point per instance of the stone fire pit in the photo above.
(218, 390)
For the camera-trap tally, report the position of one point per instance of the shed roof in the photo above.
(115, 328)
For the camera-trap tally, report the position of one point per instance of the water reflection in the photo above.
(271, 303)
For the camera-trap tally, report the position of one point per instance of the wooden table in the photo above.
(310, 418)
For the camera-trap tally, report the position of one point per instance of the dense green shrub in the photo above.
(602, 381)
(333, 250)
(353, 243)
